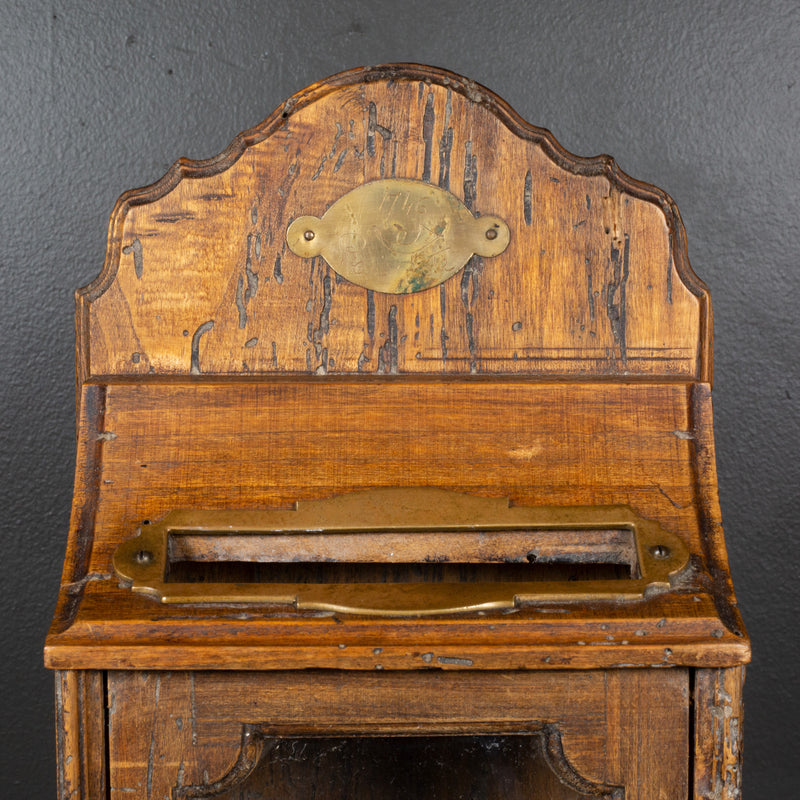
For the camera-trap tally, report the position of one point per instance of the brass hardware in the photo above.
(397, 235)
(393, 526)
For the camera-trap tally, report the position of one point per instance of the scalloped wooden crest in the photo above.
(400, 279)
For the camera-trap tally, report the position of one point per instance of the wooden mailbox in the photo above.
(395, 473)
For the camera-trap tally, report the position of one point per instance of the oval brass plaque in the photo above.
(397, 235)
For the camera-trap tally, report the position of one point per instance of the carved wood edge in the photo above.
(75, 573)
(592, 166)
(710, 516)
(257, 740)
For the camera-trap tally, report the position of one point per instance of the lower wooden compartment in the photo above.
(328, 734)
(637, 734)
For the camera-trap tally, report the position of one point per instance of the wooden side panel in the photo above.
(199, 279)
(173, 730)
(719, 715)
(80, 735)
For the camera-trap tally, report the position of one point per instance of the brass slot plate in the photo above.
(402, 526)
(397, 235)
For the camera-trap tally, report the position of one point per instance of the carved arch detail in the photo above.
(258, 740)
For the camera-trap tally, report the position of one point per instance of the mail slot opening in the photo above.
(407, 556)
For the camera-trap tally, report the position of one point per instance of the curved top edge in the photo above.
(476, 93)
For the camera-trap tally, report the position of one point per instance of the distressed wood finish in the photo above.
(719, 721)
(81, 734)
(218, 371)
(213, 445)
(188, 727)
(198, 278)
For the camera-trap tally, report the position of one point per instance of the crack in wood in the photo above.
(443, 337)
(195, 357)
(527, 198)
(339, 161)
(617, 311)
(470, 176)
(373, 126)
(428, 122)
(590, 291)
(387, 354)
(670, 265)
(252, 277)
(240, 304)
(446, 144)
(370, 313)
(135, 247)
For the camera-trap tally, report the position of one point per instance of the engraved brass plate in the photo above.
(424, 528)
(397, 235)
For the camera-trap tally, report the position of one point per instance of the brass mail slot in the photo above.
(401, 552)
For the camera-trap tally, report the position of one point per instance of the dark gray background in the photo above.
(698, 98)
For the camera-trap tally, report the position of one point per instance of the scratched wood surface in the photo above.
(198, 277)
(218, 370)
(247, 445)
(719, 719)
(82, 768)
(186, 291)
(171, 731)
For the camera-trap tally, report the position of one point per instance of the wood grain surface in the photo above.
(218, 370)
(82, 767)
(719, 728)
(198, 278)
(213, 444)
(623, 729)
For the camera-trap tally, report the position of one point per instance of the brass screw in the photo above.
(144, 557)
(309, 235)
(660, 551)
(491, 233)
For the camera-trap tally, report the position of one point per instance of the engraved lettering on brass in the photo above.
(397, 235)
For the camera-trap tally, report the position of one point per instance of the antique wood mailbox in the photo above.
(395, 473)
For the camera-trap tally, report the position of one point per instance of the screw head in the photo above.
(309, 235)
(660, 551)
(144, 557)
(491, 233)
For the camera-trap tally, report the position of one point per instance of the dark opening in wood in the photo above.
(514, 767)
(402, 556)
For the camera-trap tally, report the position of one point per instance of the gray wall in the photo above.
(698, 98)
